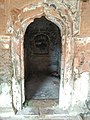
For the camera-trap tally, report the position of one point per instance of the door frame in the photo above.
(17, 51)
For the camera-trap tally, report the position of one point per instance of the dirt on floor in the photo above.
(42, 103)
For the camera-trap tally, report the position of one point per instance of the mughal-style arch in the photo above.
(19, 20)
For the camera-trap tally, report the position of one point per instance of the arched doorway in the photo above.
(20, 25)
(42, 60)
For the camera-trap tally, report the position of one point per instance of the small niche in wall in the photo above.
(40, 44)
(42, 60)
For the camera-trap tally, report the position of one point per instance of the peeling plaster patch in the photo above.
(32, 7)
(81, 88)
(9, 26)
(83, 40)
(5, 97)
(16, 93)
(4, 38)
(29, 8)
(6, 46)
(66, 96)
(81, 91)
(82, 84)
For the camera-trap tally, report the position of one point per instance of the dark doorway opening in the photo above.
(42, 60)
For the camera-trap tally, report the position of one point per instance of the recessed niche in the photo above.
(42, 60)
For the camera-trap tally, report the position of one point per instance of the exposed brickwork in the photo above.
(81, 75)
(6, 8)
(82, 55)
(5, 62)
(32, 13)
(85, 19)
(5, 74)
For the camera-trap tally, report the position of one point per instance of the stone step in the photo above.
(50, 117)
(32, 113)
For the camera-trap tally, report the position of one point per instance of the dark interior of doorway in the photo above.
(42, 57)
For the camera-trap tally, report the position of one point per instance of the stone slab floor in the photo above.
(42, 86)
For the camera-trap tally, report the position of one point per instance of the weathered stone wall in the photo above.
(81, 75)
(63, 18)
(82, 55)
(5, 74)
(75, 66)
(9, 7)
(85, 19)
(80, 80)
(6, 8)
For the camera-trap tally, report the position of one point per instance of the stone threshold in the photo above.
(32, 113)
(47, 112)
(46, 117)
